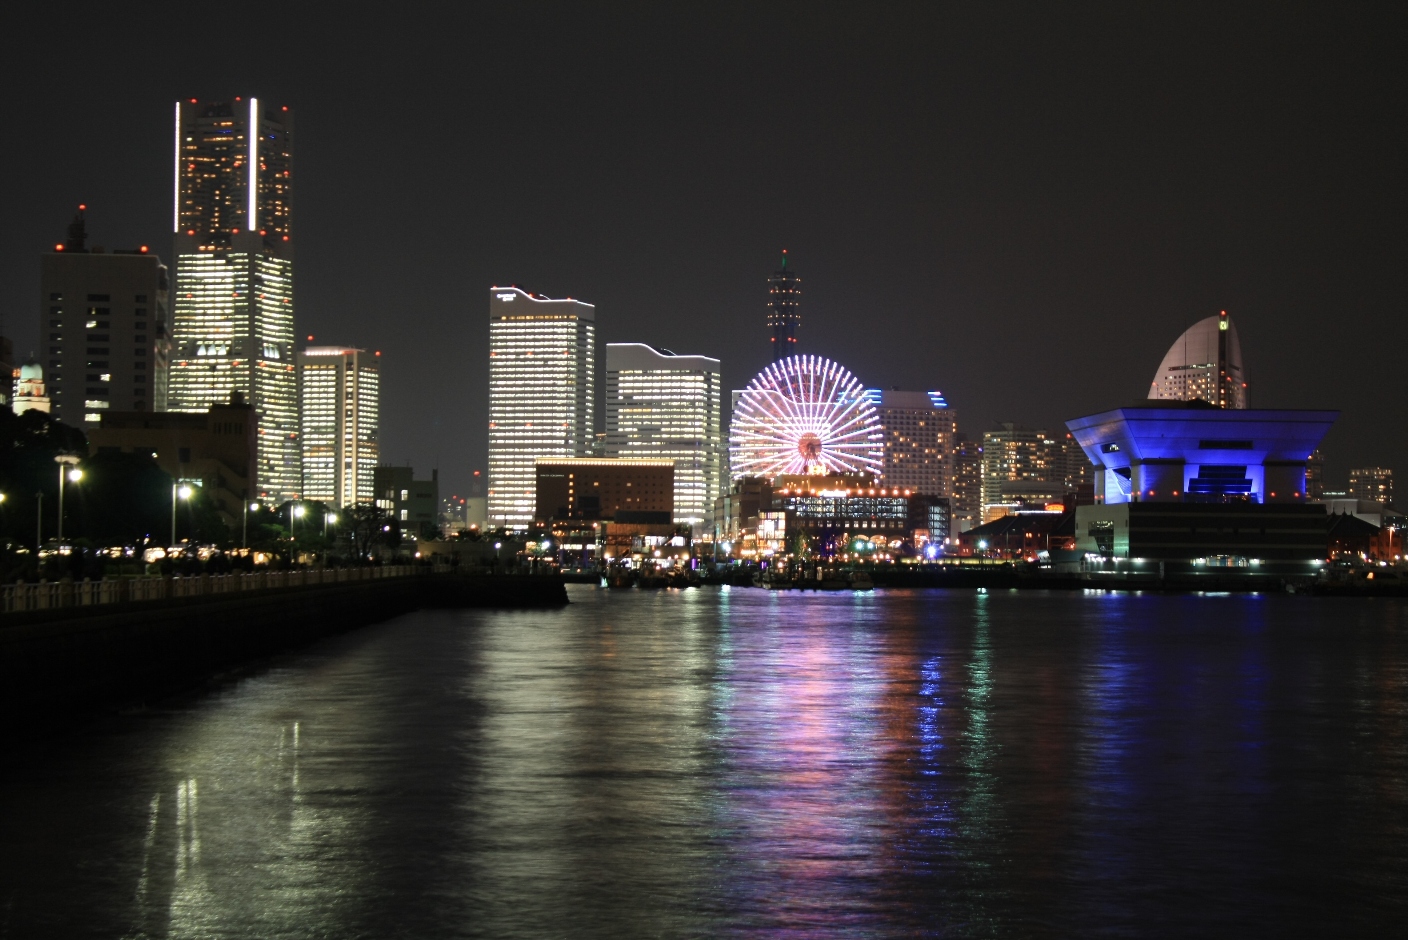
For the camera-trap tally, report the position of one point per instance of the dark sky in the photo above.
(1020, 206)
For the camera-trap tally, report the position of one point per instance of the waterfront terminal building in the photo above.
(1187, 481)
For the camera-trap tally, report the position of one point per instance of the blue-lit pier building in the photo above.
(1188, 481)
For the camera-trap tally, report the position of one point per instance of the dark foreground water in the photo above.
(739, 763)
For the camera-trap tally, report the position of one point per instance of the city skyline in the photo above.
(1027, 246)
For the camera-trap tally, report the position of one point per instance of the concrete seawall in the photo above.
(58, 664)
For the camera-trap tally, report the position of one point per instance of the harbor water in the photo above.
(733, 762)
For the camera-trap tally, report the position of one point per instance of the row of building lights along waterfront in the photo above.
(199, 363)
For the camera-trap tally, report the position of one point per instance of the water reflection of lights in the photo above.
(805, 744)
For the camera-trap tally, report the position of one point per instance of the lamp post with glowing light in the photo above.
(183, 491)
(67, 471)
(329, 518)
(244, 526)
(295, 512)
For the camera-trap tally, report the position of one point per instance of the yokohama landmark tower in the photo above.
(232, 303)
(784, 310)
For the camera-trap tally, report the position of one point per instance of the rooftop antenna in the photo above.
(77, 232)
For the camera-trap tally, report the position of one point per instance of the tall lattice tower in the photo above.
(784, 310)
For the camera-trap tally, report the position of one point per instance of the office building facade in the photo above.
(1372, 483)
(605, 489)
(919, 436)
(214, 450)
(233, 307)
(340, 400)
(414, 504)
(542, 389)
(663, 406)
(103, 329)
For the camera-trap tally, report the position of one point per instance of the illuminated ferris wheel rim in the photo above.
(805, 415)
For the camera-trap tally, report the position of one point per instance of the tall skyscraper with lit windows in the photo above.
(340, 392)
(660, 405)
(542, 387)
(232, 299)
(784, 310)
(919, 429)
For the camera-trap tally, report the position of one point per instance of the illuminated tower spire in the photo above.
(784, 310)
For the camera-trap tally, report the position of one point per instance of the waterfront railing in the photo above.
(47, 595)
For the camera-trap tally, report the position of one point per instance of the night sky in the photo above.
(1022, 208)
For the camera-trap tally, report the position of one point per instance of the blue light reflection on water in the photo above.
(744, 763)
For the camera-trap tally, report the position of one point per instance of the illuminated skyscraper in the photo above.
(340, 392)
(919, 429)
(1204, 363)
(967, 482)
(1022, 465)
(232, 306)
(784, 310)
(542, 387)
(660, 405)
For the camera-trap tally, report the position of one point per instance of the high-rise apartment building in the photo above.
(919, 429)
(542, 388)
(1028, 466)
(232, 305)
(967, 482)
(662, 405)
(784, 310)
(103, 328)
(1373, 483)
(340, 399)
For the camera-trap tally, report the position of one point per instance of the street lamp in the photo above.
(67, 471)
(244, 526)
(328, 519)
(184, 492)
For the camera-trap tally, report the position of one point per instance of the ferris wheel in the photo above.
(804, 415)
